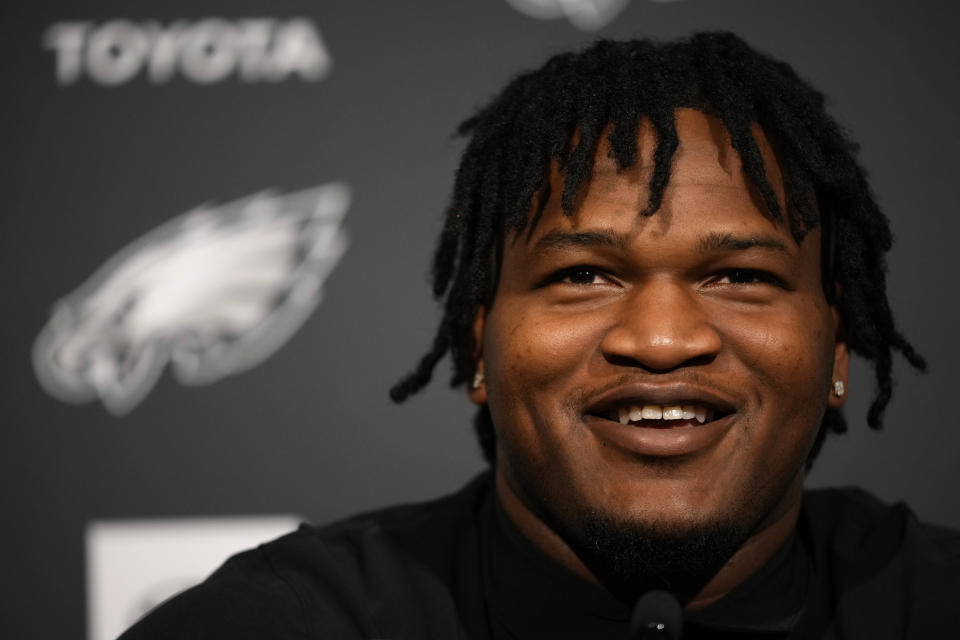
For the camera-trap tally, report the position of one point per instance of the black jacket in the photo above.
(456, 568)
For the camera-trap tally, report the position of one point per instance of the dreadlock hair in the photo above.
(502, 181)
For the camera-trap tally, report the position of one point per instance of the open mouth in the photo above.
(661, 421)
(657, 416)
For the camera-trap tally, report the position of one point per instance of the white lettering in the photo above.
(165, 51)
(66, 39)
(204, 52)
(209, 53)
(115, 52)
(298, 49)
(254, 37)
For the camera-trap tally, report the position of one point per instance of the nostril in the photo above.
(635, 363)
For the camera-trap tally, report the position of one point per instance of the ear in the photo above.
(841, 363)
(477, 388)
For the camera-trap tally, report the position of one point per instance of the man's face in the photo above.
(705, 307)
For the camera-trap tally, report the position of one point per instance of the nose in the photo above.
(661, 326)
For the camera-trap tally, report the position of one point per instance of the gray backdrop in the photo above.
(88, 168)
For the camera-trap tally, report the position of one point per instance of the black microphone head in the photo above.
(656, 616)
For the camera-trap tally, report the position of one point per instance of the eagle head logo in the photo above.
(214, 291)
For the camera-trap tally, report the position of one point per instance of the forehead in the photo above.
(708, 183)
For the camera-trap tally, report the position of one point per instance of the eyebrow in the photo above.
(729, 242)
(560, 240)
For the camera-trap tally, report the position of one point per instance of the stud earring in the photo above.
(477, 380)
(838, 388)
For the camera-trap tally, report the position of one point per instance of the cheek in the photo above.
(784, 349)
(531, 351)
(532, 362)
(788, 360)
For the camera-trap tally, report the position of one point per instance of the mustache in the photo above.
(583, 397)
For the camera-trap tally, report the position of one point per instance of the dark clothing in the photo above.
(457, 568)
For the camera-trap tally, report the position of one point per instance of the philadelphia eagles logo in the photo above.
(586, 15)
(214, 292)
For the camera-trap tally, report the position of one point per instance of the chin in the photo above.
(680, 554)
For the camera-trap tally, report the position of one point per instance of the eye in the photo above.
(746, 277)
(581, 275)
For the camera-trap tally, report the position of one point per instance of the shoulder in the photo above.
(879, 558)
(850, 523)
(232, 603)
(344, 580)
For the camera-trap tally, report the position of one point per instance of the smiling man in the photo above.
(658, 381)
(656, 263)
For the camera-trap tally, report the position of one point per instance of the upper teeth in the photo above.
(664, 412)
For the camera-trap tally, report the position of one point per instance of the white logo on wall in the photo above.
(133, 565)
(214, 291)
(203, 51)
(586, 15)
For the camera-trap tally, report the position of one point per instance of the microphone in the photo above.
(657, 616)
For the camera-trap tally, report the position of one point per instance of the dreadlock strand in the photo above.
(420, 376)
(667, 143)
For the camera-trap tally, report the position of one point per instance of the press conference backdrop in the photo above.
(216, 226)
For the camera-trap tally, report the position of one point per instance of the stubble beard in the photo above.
(631, 558)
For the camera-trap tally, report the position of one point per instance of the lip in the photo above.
(685, 437)
(661, 394)
(681, 440)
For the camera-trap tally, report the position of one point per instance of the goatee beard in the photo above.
(632, 558)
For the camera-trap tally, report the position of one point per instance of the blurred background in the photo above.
(216, 233)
